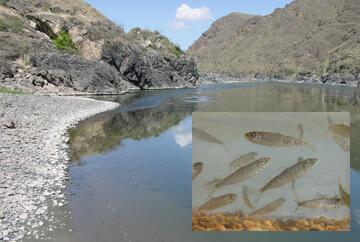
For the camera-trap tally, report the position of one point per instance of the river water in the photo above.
(131, 166)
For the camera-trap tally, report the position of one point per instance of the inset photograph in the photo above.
(261, 171)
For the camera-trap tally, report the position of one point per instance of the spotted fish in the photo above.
(320, 203)
(198, 133)
(290, 174)
(239, 175)
(243, 159)
(275, 140)
(217, 202)
(246, 200)
(268, 208)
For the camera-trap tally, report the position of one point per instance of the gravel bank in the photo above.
(34, 157)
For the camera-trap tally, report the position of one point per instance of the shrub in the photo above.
(64, 42)
(176, 50)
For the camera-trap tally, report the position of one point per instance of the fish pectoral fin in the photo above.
(301, 130)
(210, 187)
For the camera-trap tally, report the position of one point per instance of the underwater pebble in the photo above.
(234, 222)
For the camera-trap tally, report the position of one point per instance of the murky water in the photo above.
(131, 170)
(333, 163)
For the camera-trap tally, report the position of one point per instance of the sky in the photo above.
(181, 21)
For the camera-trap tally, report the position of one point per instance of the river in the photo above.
(131, 166)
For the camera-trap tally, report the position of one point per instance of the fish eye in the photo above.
(252, 135)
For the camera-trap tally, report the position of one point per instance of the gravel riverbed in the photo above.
(34, 157)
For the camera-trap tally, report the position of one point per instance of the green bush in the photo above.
(176, 50)
(64, 42)
(47, 7)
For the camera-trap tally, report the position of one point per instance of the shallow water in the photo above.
(322, 180)
(131, 170)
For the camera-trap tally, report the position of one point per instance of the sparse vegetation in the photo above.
(11, 24)
(4, 90)
(47, 7)
(3, 3)
(176, 50)
(64, 42)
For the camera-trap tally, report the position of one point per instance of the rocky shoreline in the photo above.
(335, 79)
(34, 158)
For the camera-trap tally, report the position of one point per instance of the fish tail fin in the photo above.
(339, 181)
(297, 207)
(225, 147)
(230, 167)
(246, 198)
(210, 187)
(256, 193)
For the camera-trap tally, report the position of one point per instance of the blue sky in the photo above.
(181, 21)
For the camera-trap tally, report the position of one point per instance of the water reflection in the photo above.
(183, 135)
(106, 131)
(292, 98)
(136, 181)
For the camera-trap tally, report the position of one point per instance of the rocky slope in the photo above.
(307, 37)
(66, 46)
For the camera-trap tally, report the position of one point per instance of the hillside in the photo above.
(66, 46)
(317, 36)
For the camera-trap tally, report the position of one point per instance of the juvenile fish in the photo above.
(243, 160)
(275, 140)
(341, 142)
(217, 202)
(205, 136)
(196, 169)
(290, 174)
(246, 198)
(321, 203)
(271, 207)
(239, 175)
(345, 197)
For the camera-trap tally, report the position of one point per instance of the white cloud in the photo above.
(186, 13)
(183, 139)
(178, 25)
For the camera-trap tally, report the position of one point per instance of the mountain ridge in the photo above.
(320, 37)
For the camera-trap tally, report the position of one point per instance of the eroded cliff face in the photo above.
(307, 36)
(66, 46)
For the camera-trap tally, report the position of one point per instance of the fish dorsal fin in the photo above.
(300, 159)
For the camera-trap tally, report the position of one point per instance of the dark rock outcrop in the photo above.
(150, 69)
(82, 51)
(82, 75)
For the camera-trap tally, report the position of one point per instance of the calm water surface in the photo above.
(131, 170)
